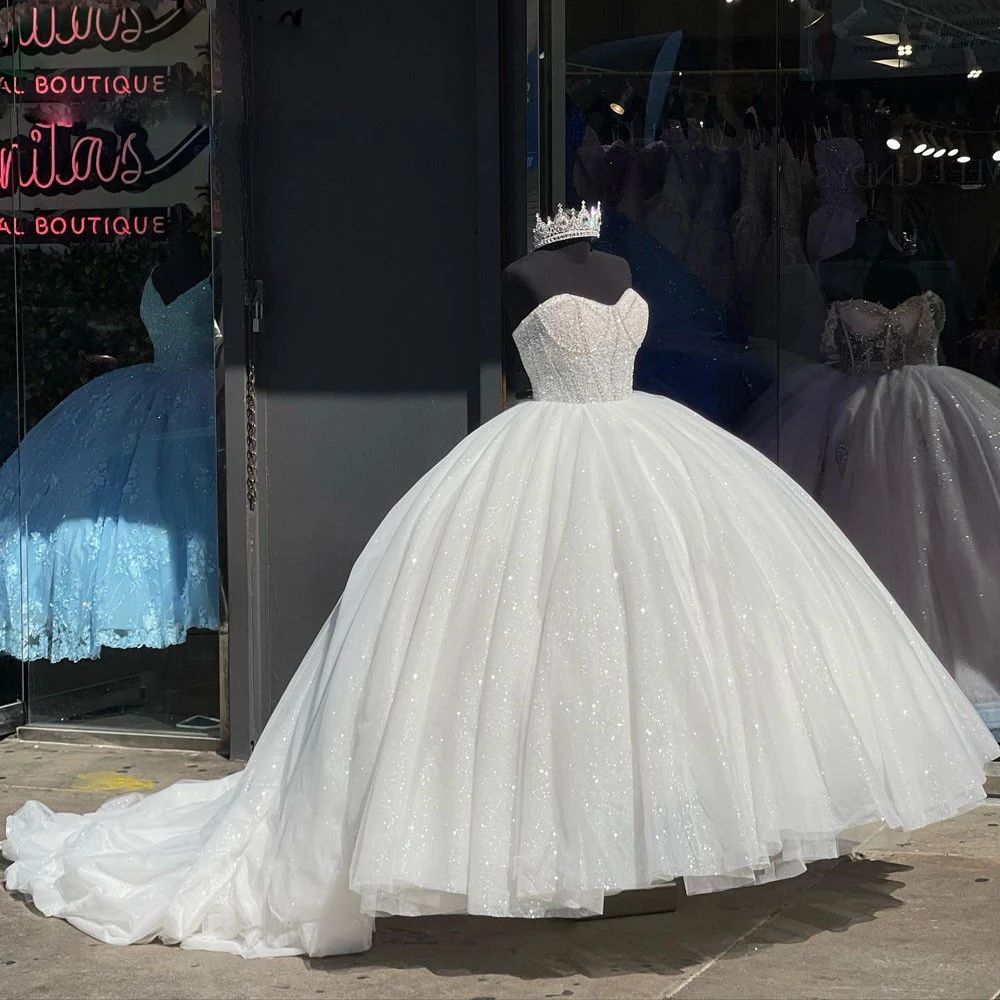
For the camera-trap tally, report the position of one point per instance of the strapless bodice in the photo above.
(865, 336)
(576, 350)
(182, 331)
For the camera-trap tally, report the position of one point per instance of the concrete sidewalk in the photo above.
(918, 916)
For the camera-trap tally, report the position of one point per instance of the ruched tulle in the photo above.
(595, 647)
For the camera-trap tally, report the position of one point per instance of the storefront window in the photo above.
(109, 528)
(807, 194)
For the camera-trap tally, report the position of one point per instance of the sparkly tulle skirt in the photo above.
(907, 463)
(596, 647)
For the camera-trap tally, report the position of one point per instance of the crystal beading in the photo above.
(567, 225)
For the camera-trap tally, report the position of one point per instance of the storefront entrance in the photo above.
(373, 243)
(112, 618)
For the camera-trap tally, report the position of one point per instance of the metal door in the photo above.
(372, 248)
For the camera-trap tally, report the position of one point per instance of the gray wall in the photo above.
(373, 187)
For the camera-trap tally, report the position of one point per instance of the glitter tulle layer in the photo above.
(596, 646)
(907, 463)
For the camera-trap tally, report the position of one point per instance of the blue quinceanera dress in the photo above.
(108, 509)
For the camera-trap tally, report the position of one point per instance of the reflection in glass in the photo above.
(879, 410)
(109, 552)
(686, 184)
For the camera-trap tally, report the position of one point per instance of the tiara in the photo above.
(571, 225)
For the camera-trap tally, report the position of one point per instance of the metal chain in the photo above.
(251, 434)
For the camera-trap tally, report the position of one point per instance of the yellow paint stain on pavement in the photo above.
(111, 781)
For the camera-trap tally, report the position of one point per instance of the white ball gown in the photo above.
(601, 644)
(904, 454)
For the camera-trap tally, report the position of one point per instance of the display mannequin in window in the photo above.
(110, 500)
(570, 267)
(184, 266)
(600, 645)
(904, 453)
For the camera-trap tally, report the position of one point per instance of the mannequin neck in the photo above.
(575, 250)
(184, 267)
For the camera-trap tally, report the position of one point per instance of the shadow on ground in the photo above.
(831, 897)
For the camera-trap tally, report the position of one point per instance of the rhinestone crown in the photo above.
(571, 225)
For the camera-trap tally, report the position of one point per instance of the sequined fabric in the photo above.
(833, 225)
(108, 525)
(576, 350)
(862, 336)
(597, 646)
(905, 456)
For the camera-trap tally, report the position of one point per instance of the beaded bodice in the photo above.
(753, 215)
(789, 191)
(576, 350)
(183, 331)
(838, 164)
(862, 336)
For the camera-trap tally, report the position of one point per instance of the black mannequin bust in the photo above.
(571, 267)
(184, 267)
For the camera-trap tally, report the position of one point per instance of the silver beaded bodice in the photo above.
(576, 350)
(862, 336)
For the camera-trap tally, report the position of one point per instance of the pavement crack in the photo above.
(766, 919)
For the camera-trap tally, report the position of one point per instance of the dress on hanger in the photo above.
(904, 454)
(832, 225)
(709, 251)
(752, 224)
(788, 301)
(108, 509)
(669, 217)
(601, 644)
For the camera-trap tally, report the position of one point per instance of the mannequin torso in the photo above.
(183, 268)
(571, 267)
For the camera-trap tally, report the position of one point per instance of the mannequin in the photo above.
(184, 267)
(571, 266)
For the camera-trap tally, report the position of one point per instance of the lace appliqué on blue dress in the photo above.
(108, 509)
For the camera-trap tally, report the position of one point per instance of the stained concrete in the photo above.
(916, 916)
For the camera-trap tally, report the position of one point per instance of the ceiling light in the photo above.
(921, 143)
(894, 142)
(963, 152)
(974, 70)
(905, 45)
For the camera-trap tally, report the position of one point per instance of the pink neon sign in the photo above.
(86, 83)
(83, 224)
(48, 29)
(65, 159)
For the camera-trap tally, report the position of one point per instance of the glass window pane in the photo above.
(115, 522)
(666, 114)
(886, 408)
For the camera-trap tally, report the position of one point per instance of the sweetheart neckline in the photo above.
(580, 298)
(878, 305)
